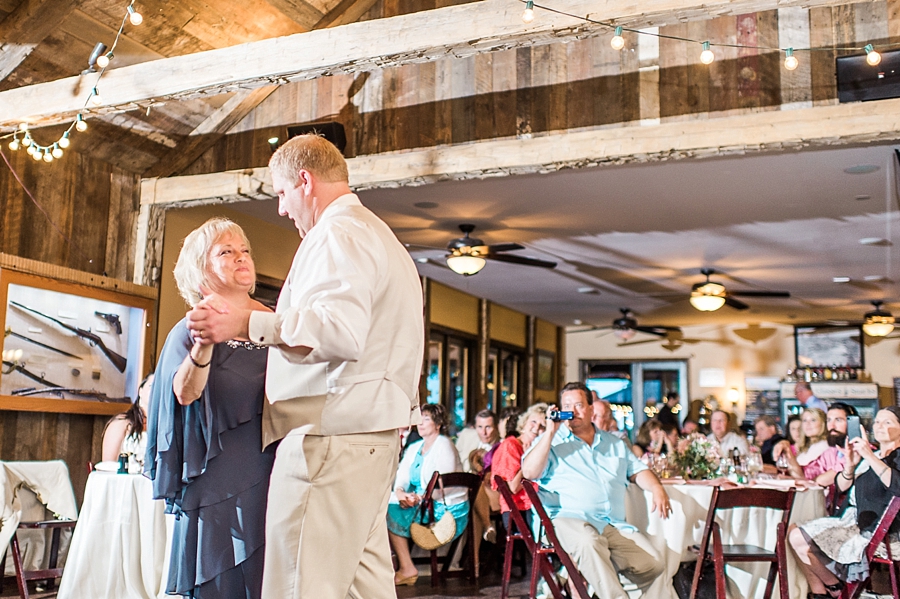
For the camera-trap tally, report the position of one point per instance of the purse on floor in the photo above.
(428, 534)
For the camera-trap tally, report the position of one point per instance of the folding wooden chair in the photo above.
(52, 572)
(455, 479)
(711, 547)
(854, 589)
(540, 551)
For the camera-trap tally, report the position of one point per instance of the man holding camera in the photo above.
(582, 474)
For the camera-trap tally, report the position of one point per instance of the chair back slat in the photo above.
(884, 525)
(754, 497)
(515, 514)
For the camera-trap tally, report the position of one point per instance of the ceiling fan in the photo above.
(709, 296)
(675, 338)
(466, 255)
(875, 323)
(625, 327)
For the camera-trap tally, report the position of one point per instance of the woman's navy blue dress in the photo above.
(206, 461)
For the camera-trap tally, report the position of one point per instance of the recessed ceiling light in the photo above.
(862, 169)
(862, 198)
(587, 290)
(577, 321)
(426, 205)
(841, 279)
(880, 241)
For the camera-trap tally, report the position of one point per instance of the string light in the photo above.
(528, 15)
(790, 61)
(707, 56)
(617, 42)
(134, 16)
(872, 57)
(99, 58)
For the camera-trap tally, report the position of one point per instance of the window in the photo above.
(505, 368)
(448, 376)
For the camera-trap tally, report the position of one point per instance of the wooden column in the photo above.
(530, 361)
(426, 302)
(560, 358)
(482, 350)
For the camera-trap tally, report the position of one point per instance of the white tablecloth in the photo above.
(121, 544)
(690, 504)
(25, 489)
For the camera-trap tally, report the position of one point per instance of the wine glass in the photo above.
(754, 464)
(782, 464)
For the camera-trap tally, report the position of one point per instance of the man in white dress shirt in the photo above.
(722, 434)
(804, 394)
(346, 345)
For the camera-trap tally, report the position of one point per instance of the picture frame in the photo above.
(73, 342)
(829, 345)
(544, 371)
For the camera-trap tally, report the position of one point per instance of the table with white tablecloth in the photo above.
(122, 542)
(757, 526)
(27, 491)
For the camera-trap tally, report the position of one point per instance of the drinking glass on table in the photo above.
(754, 465)
(783, 464)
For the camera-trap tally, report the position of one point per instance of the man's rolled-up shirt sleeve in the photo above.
(330, 319)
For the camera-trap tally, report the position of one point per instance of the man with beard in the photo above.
(825, 467)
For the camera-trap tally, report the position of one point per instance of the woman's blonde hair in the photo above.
(192, 267)
(312, 153)
(538, 408)
(805, 442)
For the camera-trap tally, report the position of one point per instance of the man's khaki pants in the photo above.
(600, 556)
(326, 531)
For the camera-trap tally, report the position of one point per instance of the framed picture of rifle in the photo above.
(76, 343)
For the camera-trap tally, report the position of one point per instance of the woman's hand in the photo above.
(853, 456)
(862, 448)
(407, 500)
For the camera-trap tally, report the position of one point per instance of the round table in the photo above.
(690, 504)
(121, 544)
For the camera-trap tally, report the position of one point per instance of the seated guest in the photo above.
(668, 414)
(767, 437)
(485, 437)
(663, 439)
(605, 421)
(644, 438)
(582, 474)
(722, 433)
(433, 453)
(830, 551)
(688, 427)
(793, 431)
(812, 441)
(125, 433)
(824, 468)
(507, 462)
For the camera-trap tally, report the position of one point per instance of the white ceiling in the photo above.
(639, 235)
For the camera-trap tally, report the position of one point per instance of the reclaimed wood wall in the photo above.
(582, 84)
(95, 205)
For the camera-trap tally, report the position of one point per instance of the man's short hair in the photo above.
(671, 395)
(769, 420)
(578, 386)
(312, 153)
(487, 414)
(804, 385)
(846, 408)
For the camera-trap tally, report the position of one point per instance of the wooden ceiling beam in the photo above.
(821, 126)
(419, 37)
(26, 27)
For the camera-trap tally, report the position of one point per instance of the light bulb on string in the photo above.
(14, 144)
(617, 42)
(80, 123)
(528, 15)
(103, 60)
(872, 57)
(37, 155)
(64, 140)
(30, 150)
(707, 56)
(23, 126)
(134, 16)
(48, 157)
(96, 100)
(27, 141)
(790, 61)
(57, 151)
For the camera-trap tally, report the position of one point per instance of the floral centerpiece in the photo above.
(697, 457)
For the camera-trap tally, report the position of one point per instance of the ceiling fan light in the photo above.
(623, 334)
(878, 322)
(707, 303)
(465, 264)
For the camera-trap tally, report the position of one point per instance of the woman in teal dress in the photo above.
(433, 453)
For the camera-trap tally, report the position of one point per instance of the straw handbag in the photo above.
(428, 534)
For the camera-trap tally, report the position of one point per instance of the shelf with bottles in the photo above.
(827, 374)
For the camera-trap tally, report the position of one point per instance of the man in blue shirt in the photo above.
(582, 474)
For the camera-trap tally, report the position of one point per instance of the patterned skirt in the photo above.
(841, 547)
